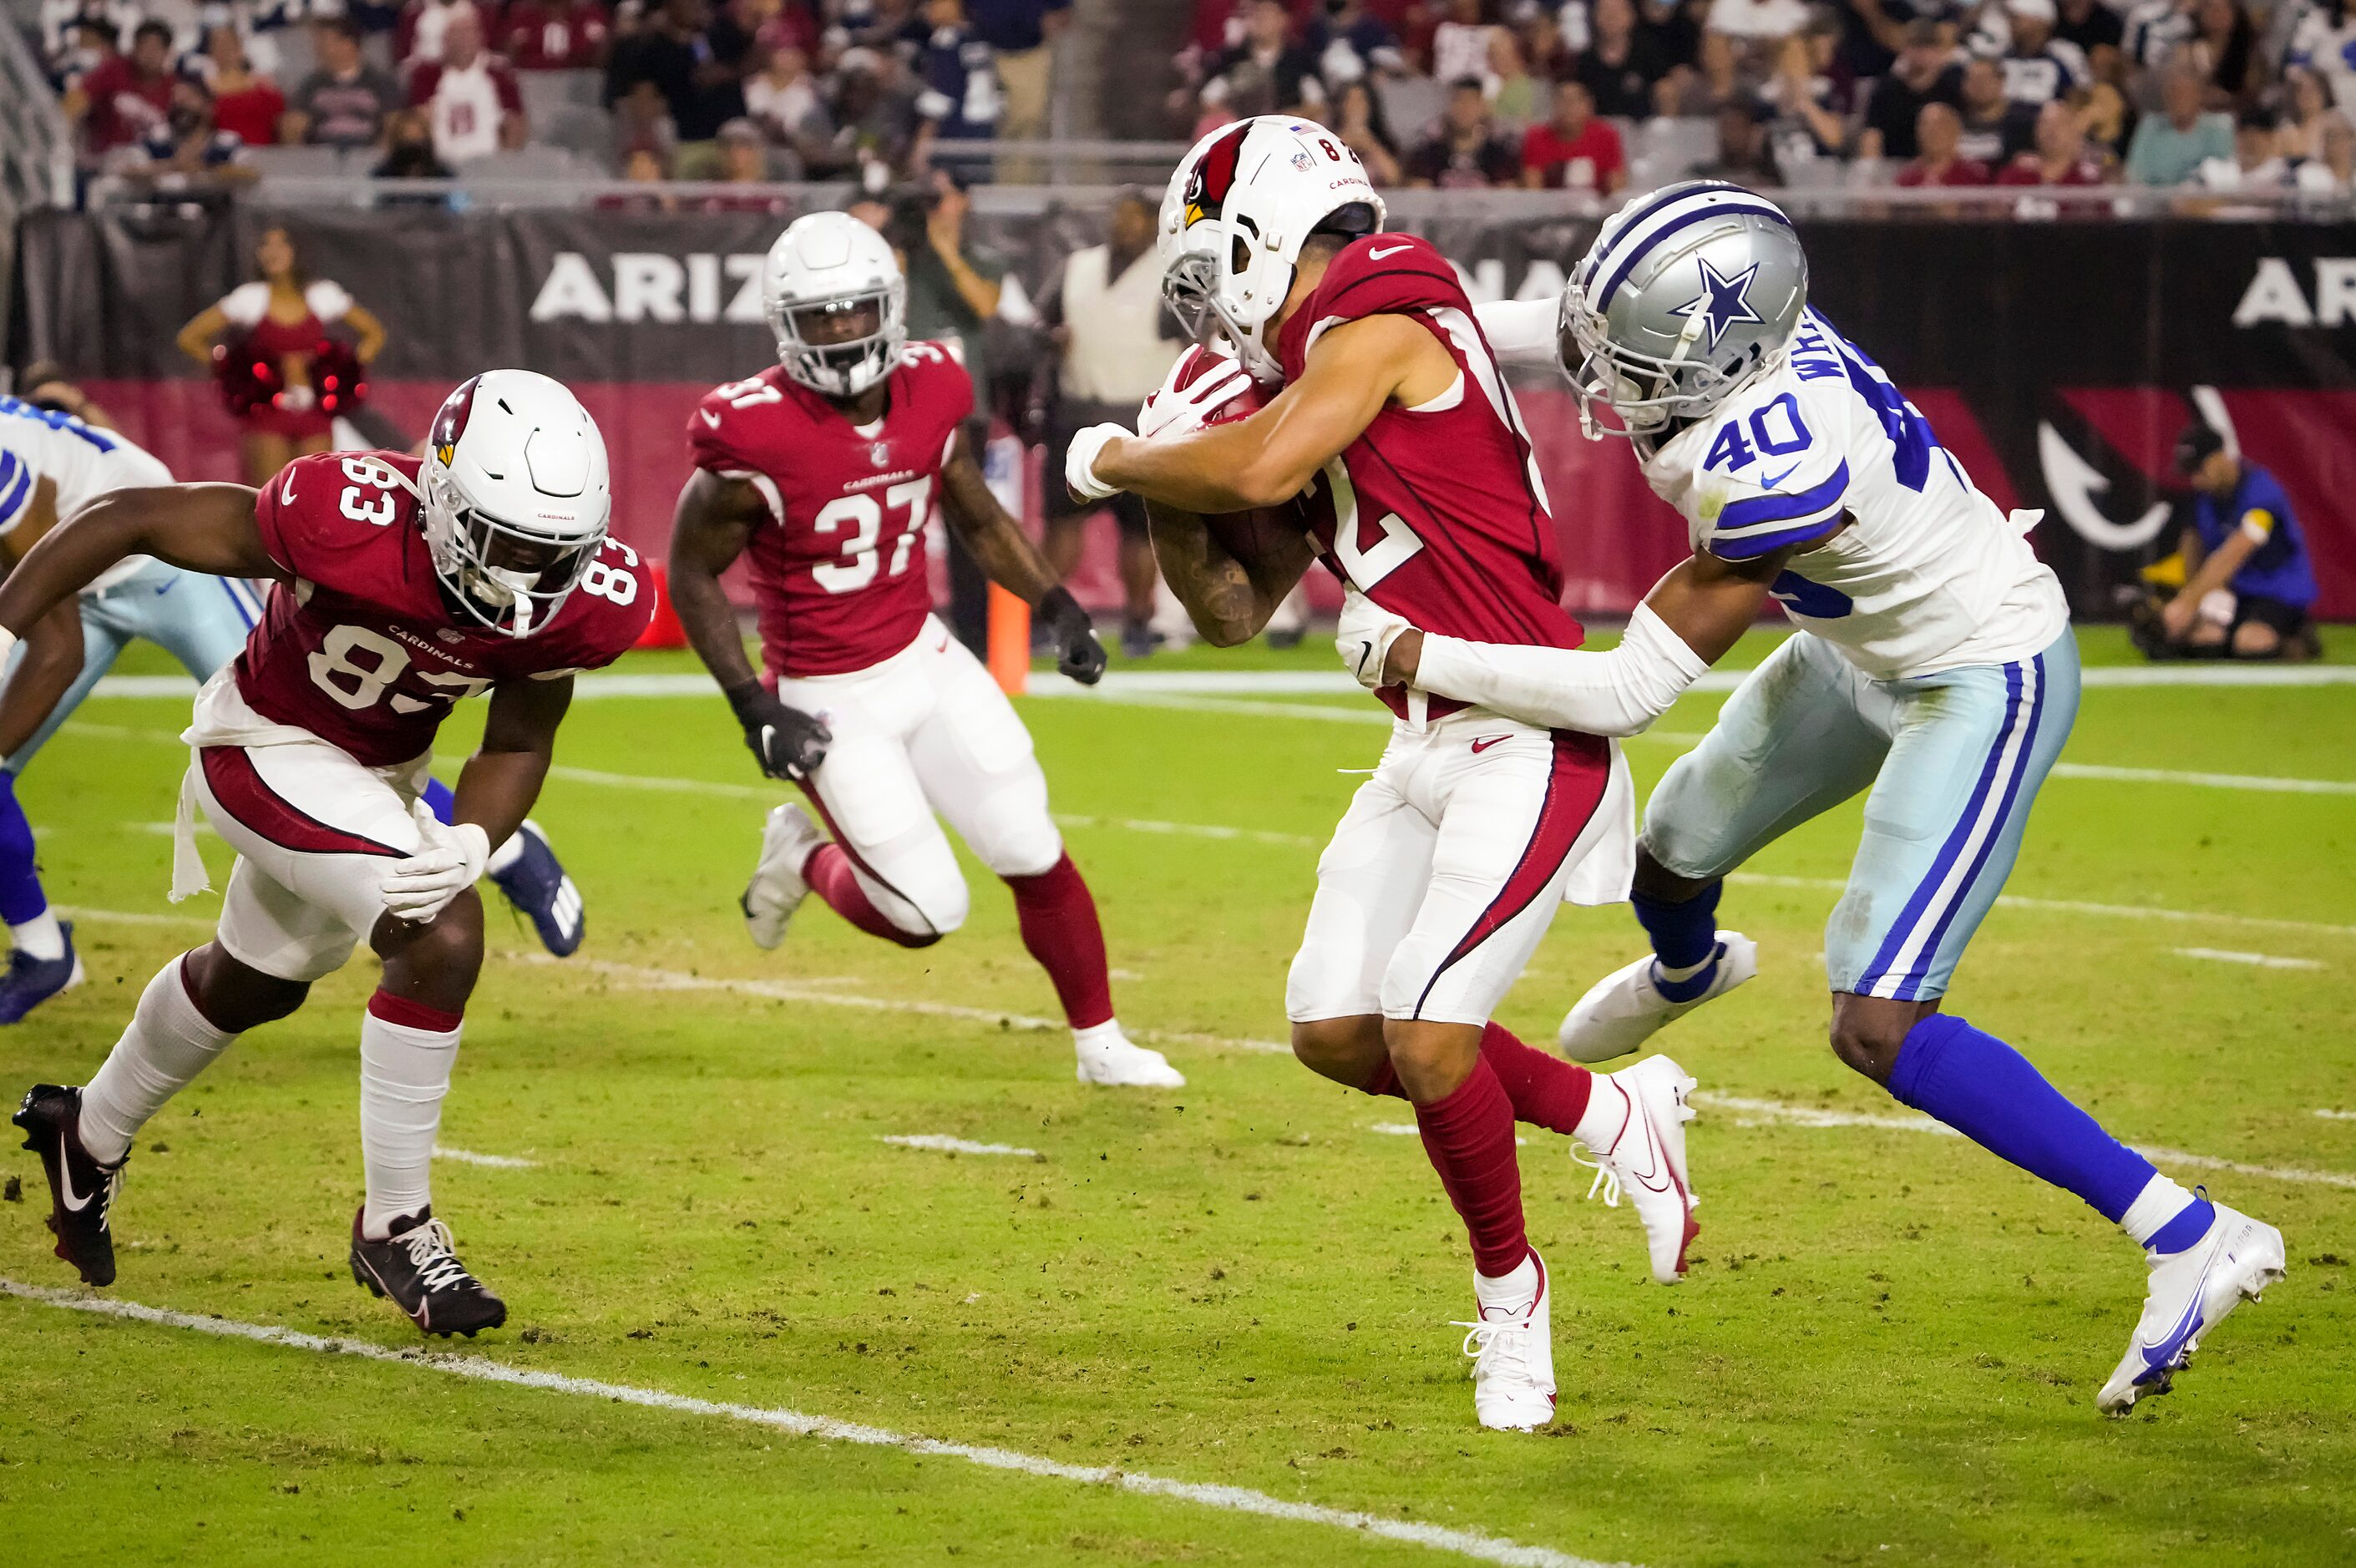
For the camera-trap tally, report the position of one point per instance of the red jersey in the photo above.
(1436, 513)
(838, 570)
(362, 650)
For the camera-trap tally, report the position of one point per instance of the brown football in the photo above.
(1256, 534)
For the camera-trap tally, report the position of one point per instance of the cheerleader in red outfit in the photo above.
(287, 350)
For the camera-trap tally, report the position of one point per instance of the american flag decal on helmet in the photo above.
(1215, 175)
(450, 420)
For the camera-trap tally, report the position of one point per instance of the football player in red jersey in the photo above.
(403, 586)
(822, 471)
(1447, 869)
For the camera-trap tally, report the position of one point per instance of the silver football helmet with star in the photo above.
(1687, 296)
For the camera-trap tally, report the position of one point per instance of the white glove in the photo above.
(1364, 637)
(1181, 410)
(1080, 462)
(451, 861)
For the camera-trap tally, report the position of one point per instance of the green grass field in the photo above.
(1886, 1352)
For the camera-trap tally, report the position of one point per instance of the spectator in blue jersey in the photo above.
(957, 76)
(2249, 586)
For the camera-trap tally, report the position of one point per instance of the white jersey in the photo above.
(1928, 575)
(83, 461)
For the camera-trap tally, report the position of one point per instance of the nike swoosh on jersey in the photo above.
(1485, 742)
(72, 1199)
(286, 491)
(710, 418)
(1378, 255)
(1770, 483)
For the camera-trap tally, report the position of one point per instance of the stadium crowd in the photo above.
(2225, 95)
(2230, 95)
(172, 92)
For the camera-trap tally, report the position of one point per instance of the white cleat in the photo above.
(777, 889)
(1110, 1060)
(1512, 1348)
(1647, 1160)
(2190, 1293)
(1621, 1011)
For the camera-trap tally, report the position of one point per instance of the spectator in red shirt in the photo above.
(1464, 152)
(470, 95)
(122, 98)
(1574, 149)
(2061, 155)
(1938, 132)
(245, 104)
(555, 34)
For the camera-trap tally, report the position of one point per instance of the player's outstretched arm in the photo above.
(1010, 559)
(1686, 624)
(201, 527)
(1269, 457)
(52, 657)
(1228, 597)
(709, 529)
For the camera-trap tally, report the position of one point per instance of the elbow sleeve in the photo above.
(1616, 693)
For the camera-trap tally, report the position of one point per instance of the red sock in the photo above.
(1058, 917)
(1547, 1090)
(829, 875)
(1469, 1135)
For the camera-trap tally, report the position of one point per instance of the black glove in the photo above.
(787, 742)
(1077, 652)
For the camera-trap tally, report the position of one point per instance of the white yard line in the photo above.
(652, 980)
(2080, 906)
(2255, 960)
(1754, 1112)
(2258, 782)
(2338, 1115)
(948, 1145)
(496, 1161)
(794, 1423)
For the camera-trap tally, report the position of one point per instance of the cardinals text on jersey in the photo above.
(839, 571)
(362, 650)
(1926, 575)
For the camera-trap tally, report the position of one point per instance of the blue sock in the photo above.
(1684, 935)
(2187, 1228)
(1988, 1091)
(21, 898)
(438, 799)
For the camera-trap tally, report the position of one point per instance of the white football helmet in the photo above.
(1234, 218)
(833, 294)
(514, 497)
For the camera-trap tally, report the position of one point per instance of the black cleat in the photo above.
(417, 1268)
(81, 1190)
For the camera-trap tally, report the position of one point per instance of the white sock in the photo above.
(509, 851)
(405, 1073)
(1509, 1294)
(39, 937)
(1100, 1036)
(1609, 1107)
(1674, 973)
(2161, 1199)
(168, 1044)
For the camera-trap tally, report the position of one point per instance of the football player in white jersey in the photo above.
(1933, 665)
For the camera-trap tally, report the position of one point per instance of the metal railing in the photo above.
(1983, 204)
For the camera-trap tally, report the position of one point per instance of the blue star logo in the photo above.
(1723, 301)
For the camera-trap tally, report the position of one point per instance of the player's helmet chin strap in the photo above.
(508, 600)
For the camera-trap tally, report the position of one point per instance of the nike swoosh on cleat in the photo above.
(72, 1199)
(2160, 1353)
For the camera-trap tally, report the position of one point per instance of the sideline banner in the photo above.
(2056, 359)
